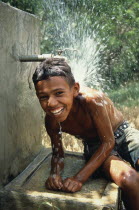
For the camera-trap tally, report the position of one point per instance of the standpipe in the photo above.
(37, 58)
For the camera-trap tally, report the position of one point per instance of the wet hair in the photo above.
(53, 67)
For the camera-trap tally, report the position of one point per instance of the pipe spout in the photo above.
(37, 58)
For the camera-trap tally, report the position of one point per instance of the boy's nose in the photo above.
(52, 102)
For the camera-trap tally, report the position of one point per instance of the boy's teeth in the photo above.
(57, 111)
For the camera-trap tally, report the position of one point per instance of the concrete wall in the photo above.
(20, 112)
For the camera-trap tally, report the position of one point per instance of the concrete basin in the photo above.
(27, 190)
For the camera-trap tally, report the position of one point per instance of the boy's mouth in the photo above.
(57, 111)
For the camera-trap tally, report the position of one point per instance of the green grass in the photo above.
(126, 96)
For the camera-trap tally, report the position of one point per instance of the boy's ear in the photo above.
(76, 89)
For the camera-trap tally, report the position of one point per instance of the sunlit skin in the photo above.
(87, 115)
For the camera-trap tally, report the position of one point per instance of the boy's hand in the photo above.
(71, 185)
(54, 182)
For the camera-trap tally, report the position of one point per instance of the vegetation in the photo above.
(115, 23)
(31, 6)
(127, 96)
(126, 99)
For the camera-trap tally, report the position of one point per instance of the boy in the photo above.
(108, 139)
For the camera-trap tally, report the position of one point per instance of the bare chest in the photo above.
(81, 125)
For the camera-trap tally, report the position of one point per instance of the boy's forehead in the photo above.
(52, 83)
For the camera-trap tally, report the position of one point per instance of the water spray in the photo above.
(70, 32)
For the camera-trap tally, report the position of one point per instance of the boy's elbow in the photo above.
(111, 145)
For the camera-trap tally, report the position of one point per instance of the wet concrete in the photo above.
(27, 191)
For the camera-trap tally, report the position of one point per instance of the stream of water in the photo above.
(70, 32)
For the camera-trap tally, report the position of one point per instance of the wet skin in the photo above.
(88, 115)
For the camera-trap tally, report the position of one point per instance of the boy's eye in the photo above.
(43, 98)
(59, 93)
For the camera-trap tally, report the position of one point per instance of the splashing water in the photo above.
(71, 33)
(85, 65)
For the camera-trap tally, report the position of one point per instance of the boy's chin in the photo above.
(58, 118)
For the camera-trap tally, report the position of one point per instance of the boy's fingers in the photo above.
(66, 183)
(58, 184)
(74, 188)
(70, 185)
(53, 185)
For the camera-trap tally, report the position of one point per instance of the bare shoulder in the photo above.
(95, 101)
(92, 96)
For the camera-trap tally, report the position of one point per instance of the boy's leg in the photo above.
(126, 178)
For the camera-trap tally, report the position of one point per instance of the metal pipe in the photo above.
(37, 58)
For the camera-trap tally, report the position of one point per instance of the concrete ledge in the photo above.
(27, 190)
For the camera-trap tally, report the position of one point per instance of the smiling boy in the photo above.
(92, 117)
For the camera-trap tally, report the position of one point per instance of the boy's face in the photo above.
(56, 96)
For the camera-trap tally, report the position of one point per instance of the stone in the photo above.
(27, 190)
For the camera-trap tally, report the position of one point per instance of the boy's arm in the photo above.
(104, 130)
(54, 181)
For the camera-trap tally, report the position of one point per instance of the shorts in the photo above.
(126, 145)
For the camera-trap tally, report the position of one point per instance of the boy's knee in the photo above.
(130, 179)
